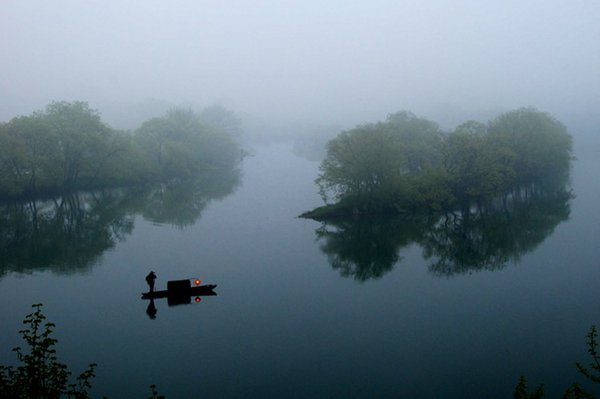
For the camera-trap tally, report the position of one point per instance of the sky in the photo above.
(324, 62)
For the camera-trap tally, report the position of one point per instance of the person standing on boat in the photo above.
(150, 280)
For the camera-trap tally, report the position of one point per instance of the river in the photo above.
(380, 309)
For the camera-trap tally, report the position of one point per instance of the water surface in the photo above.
(390, 308)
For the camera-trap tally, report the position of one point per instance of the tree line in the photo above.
(406, 163)
(67, 146)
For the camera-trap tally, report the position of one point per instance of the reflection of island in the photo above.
(366, 248)
(71, 232)
(180, 203)
(459, 242)
(490, 238)
(63, 234)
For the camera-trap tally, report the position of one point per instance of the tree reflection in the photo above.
(368, 248)
(474, 239)
(63, 234)
(70, 233)
(491, 238)
(181, 202)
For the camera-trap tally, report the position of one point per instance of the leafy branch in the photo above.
(40, 374)
(575, 391)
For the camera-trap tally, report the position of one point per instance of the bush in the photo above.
(40, 374)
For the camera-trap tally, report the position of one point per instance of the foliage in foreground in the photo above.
(41, 375)
(575, 391)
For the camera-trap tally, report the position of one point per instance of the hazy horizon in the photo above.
(336, 63)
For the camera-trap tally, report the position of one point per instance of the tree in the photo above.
(222, 118)
(476, 169)
(41, 375)
(179, 144)
(372, 165)
(28, 153)
(406, 163)
(65, 146)
(420, 138)
(361, 164)
(541, 144)
(84, 141)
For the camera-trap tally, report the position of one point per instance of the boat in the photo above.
(180, 292)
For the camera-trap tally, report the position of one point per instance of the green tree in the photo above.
(28, 152)
(180, 145)
(361, 164)
(421, 140)
(65, 146)
(83, 140)
(406, 163)
(371, 166)
(476, 169)
(541, 144)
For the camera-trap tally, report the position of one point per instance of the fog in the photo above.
(452, 265)
(329, 63)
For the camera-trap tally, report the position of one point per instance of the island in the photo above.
(407, 164)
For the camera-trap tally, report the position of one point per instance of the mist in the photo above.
(303, 62)
(390, 198)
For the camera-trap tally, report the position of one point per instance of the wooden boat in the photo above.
(180, 292)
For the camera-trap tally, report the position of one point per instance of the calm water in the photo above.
(392, 308)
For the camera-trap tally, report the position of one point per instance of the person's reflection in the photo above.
(151, 310)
